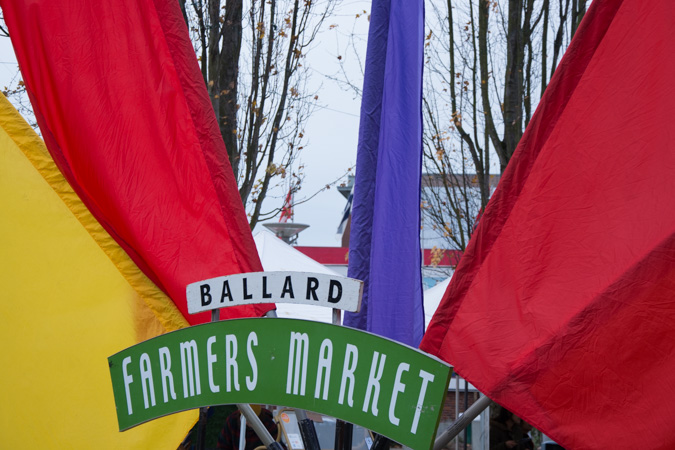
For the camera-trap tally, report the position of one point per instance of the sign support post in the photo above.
(203, 412)
(462, 422)
(381, 443)
(258, 427)
(307, 430)
(343, 430)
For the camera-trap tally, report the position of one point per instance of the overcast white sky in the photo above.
(8, 65)
(332, 130)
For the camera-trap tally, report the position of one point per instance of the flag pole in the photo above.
(257, 425)
(466, 407)
(462, 422)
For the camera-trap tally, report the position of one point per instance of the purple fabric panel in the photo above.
(366, 159)
(384, 243)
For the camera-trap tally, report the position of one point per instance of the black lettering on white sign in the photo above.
(275, 287)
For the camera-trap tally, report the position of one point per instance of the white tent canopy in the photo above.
(276, 255)
(432, 298)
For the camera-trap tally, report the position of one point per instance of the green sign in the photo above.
(356, 376)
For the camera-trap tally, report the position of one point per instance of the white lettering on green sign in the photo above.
(356, 376)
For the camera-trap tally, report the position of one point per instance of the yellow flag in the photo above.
(70, 298)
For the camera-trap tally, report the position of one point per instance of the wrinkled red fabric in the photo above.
(124, 111)
(563, 307)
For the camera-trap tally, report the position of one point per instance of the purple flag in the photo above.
(384, 247)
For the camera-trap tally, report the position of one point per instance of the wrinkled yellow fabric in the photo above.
(70, 298)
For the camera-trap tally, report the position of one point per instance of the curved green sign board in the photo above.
(356, 376)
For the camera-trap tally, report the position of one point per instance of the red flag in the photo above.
(563, 307)
(124, 111)
(287, 209)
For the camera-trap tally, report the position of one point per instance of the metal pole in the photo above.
(337, 317)
(462, 422)
(344, 431)
(343, 435)
(485, 429)
(381, 443)
(203, 412)
(201, 429)
(307, 430)
(457, 407)
(242, 431)
(466, 406)
(254, 421)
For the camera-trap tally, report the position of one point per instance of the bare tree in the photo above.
(487, 65)
(15, 89)
(252, 57)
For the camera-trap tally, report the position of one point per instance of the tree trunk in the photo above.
(228, 80)
(513, 88)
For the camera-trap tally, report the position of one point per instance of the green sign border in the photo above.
(362, 378)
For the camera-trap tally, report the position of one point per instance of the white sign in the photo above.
(275, 287)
